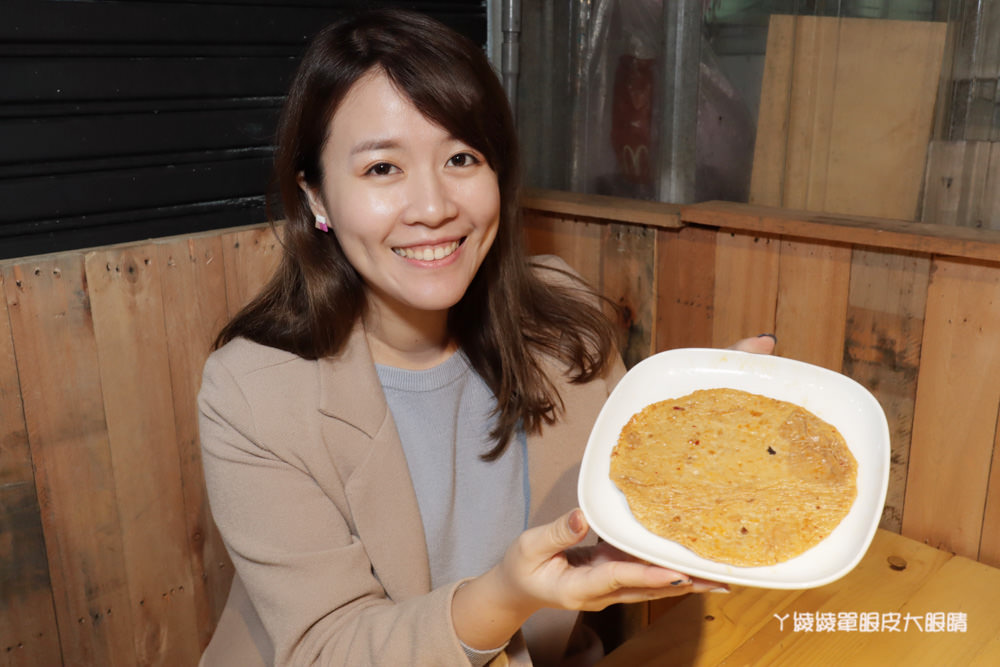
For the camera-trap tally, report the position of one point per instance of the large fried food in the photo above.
(736, 477)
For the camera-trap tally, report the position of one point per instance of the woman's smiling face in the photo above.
(414, 209)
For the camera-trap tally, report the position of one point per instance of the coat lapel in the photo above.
(362, 439)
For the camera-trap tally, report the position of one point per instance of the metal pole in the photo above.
(679, 101)
(510, 53)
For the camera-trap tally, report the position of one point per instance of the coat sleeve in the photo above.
(309, 578)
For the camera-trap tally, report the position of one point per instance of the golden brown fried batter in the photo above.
(736, 477)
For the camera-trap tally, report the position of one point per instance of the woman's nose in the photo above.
(431, 199)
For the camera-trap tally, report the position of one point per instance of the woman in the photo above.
(391, 430)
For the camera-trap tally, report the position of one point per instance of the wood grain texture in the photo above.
(846, 109)
(685, 287)
(958, 187)
(61, 389)
(250, 257)
(577, 242)
(855, 230)
(192, 280)
(767, 177)
(885, 316)
(811, 101)
(989, 543)
(602, 207)
(958, 392)
(28, 633)
(754, 626)
(629, 260)
(746, 286)
(812, 302)
(127, 307)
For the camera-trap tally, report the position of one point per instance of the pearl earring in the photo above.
(321, 223)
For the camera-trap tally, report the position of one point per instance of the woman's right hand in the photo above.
(545, 567)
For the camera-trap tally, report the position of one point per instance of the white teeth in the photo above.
(427, 253)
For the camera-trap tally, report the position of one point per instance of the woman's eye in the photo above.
(463, 160)
(381, 169)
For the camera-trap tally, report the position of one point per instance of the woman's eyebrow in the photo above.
(374, 145)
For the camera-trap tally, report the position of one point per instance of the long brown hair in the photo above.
(509, 317)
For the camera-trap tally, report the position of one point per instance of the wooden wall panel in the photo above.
(957, 188)
(250, 257)
(746, 286)
(812, 302)
(958, 392)
(811, 104)
(767, 179)
(192, 278)
(61, 389)
(28, 634)
(885, 316)
(578, 242)
(629, 261)
(847, 114)
(127, 307)
(685, 287)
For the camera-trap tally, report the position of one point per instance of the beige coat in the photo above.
(310, 489)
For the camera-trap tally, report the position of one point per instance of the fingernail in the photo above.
(681, 582)
(575, 522)
(720, 589)
(769, 335)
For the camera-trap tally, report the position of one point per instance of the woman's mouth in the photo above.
(428, 253)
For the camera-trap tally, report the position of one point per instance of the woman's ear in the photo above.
(315, 203)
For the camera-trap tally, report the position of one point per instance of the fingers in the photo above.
(762, 344)
(560, 535)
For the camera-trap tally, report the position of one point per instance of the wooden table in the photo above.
(848, 622)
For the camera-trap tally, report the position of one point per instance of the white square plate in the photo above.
(832, 396)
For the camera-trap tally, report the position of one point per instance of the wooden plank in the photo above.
(746, 286)
(578, 242)
(856, 230)
(62, 393)
(628, 268)
(886, 87)
(768, 174)
(958, 392)
(948, 593)
(812, 302)
(741, 629)
(885, 316)
(250, 257)
(127, 309)
(989, 544)
(28, 632)
(955, 189)
(856, 114)
(811, 103)
(604, 207)
(987, 207)
(871, 587)
(192, 279)
(947, 185)
(685, 287)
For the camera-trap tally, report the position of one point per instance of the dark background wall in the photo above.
(122, 120)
